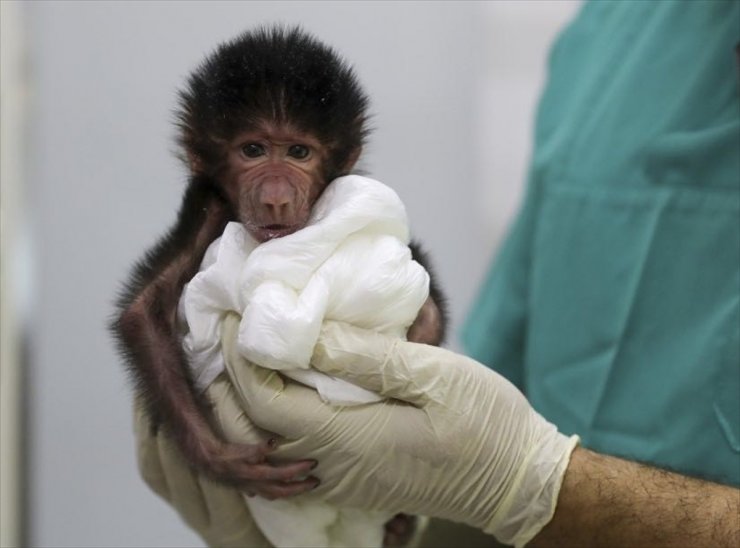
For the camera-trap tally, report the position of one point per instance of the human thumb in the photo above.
(385, 365)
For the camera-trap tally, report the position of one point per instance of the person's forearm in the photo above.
(605, 501)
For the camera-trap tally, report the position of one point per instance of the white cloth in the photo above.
(350, 263)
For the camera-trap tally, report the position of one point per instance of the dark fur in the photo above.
(276, 75)
(189, 217)
(435, 291)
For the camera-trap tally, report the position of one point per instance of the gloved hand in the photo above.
(466, 447)
(470, 449)
(218, 513)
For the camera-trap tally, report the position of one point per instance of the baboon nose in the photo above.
(277, 204)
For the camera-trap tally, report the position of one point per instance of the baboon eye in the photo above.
(253, 150)
(299, 152)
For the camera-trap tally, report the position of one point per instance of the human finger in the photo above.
(264, 398)
(147, 454)
(184, 490)
(230, 523)
(412, 372)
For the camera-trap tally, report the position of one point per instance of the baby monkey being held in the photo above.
(266, 122)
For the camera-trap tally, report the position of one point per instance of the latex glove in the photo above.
(216, 512)
(469, 449)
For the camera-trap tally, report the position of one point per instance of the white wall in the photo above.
(13, 94)
(453, 86)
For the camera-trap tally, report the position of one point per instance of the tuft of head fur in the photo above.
(276, 75)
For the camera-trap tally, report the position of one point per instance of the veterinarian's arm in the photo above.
(469, 449)
(472, 449)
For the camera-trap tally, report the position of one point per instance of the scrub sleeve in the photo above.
(615, 301)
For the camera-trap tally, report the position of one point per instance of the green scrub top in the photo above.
(614, 303)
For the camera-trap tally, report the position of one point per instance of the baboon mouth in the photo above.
(272, 231)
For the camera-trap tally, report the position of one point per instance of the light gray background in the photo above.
(453, 86)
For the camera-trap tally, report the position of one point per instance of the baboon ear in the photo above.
(352, 160)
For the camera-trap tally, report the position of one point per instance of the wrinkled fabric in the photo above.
(615, 301)
(350, 263)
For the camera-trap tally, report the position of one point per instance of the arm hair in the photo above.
(605, 501)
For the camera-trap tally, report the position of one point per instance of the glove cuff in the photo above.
(530, 501)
